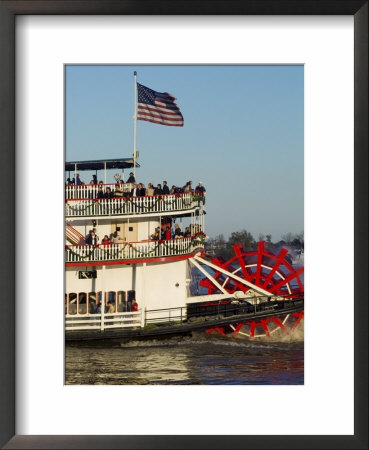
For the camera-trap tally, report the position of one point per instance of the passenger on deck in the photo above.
(150, 189)
(126, 193)
(94, 179)
(97, 237)
(165, 188)
(155, 235)
(188, 187)
(115, 238)
(158, 190)
(134, 307)
(77, 180)
(177, 231)
(135, 192)
(139, 189)
(91, 191)
(142, 190)
(109, 193)
(131, 178)
(106, 240)
(187, 232)
(110, 309)
(91, 238)
(100, 192)
(200, 189)
(92, 307)
(118, 192)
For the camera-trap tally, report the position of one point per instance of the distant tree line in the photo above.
(219, 246)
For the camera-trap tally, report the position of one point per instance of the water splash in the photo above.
(200, 338)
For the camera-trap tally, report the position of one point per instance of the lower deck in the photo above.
(153, 285)
(176, 321)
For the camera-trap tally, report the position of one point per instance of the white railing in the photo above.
(130, 205)
(133, 250)
(178, 314)
(88, 191)
(83, 322)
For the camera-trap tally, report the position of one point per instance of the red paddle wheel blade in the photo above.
(271, 272)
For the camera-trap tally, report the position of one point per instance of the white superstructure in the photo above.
(103, 279)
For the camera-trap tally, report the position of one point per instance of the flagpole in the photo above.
(135, 125)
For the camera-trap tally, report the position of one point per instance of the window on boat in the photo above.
(72, 301)
(66, 304)
(98, 300)
(112, 299)
(92, 302)
(122, 303)
(131, 296)
(82, 300)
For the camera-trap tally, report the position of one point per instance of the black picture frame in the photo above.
(8, 11)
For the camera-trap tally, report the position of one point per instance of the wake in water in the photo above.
(201, 359)
(201, 338)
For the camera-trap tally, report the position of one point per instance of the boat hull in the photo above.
(225, 325)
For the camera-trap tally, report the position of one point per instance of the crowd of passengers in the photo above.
(110, 307)
(138, 190)
(167, 232)
(164, 233)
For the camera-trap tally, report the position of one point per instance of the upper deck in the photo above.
(134, 252)
(84, 201)
(99, 199)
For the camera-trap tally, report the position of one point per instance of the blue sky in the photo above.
(243, 137)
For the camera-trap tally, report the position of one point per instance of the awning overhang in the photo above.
(124, 163)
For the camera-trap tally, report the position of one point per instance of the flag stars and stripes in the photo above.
(157, 107)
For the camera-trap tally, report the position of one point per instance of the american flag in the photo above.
(157, 107)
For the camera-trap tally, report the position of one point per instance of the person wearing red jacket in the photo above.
(134, 306)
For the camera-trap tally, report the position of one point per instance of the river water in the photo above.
(201, 359)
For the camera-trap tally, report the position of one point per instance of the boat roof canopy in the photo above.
(101, 164)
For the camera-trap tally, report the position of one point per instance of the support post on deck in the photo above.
(102, 300)
(143, 296)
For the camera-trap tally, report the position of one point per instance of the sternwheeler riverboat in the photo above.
(144, 281)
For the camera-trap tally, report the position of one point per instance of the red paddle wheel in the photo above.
(264, 272)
